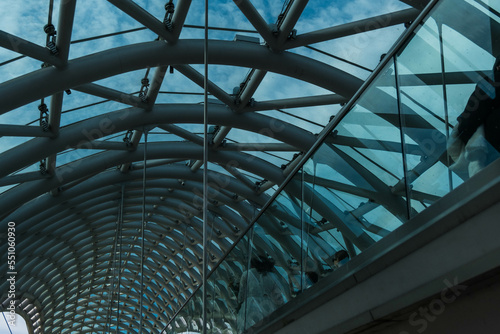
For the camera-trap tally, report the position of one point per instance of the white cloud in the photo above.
(97, 17)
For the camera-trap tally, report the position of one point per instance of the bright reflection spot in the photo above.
(19, 328)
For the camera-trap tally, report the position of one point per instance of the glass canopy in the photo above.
(102, 144)
(426, 122)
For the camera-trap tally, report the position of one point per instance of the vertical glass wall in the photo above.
(448, 103)
(428, 122)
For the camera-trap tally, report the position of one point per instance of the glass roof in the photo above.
(101, 134)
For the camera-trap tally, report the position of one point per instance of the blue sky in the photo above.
(97, 17)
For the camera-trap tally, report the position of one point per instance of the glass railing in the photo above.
(425, 123)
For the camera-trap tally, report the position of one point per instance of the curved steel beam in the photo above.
(53, 214)
(97, 273)
(26, 191)
(90, 189)
(24, 47)
(352, 28)
(80, 133)
(23, 90)
(80, 168)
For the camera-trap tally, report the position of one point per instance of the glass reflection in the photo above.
(401, 147)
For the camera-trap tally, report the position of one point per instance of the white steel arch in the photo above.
(72, 173)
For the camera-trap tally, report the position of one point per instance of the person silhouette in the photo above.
(260, 293)
(475, 140)
(340, 258)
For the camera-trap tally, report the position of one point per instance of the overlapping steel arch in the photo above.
(78, 221)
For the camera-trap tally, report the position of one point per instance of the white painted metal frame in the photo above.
(77, 203)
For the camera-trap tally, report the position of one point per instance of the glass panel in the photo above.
(240, 261)
(264, 281)
(227, 278)
(283, 226)
(222, 310)
(474, 106)
(423, 115)
(354, 183)
(287, 221)
(448, 90)
(315, 251)
(223, 294)
(389, 158)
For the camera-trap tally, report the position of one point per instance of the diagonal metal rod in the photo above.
(352, 28)
(7, 323)
(240, 176)
(298, 102)
(22, 131)
(180, 132)
(339, 58)
(110, 94)
(180, 13)
(257, 21)
(290, 19)
(145, 18)
(213, 89)
(258, 147)
(120, 259)
(114, 274)
(205, 169)
(143, 227)
(17, 44)
(51, 9)
(301, 118)
(14, 59)
(252, 82)
(64, 28)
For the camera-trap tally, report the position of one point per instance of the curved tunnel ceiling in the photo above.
(111, 127)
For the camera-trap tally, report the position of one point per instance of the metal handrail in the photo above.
(321, 138)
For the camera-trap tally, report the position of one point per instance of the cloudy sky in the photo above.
(99, 17)
(26, 20)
